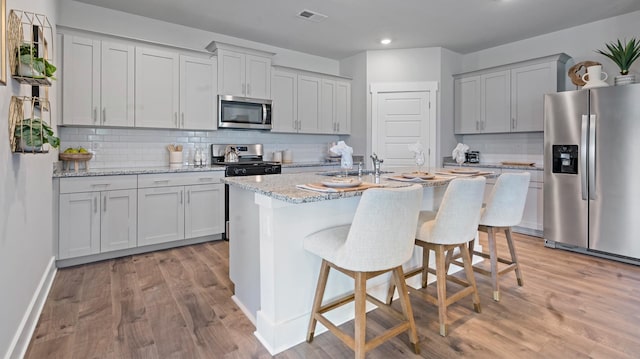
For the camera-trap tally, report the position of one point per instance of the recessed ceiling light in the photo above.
(385, 41)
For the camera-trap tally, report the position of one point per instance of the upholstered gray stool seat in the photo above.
(379, 240)
(453, 226)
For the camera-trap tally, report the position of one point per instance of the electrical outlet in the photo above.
(95, 146)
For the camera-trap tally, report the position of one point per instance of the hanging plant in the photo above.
(622, 55)
(34, 133)
(32, 66)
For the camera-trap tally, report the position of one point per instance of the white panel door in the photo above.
(258, 77)
(231, 73)
(495, 105)
(81, 81)
(328, 107)
(117, 90)
(118, 222)
(343, 107)
(204, 211)
(402, 119)
(157, 88)
(285, 99)
(309, 104)
(528, 86)
(79, 224)
(160, 215)
(467, 105)
(198, 91)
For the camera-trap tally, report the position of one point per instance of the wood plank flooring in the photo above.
(176, 304)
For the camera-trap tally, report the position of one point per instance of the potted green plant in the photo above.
(623, 55)
(32, 133)
(31, 66)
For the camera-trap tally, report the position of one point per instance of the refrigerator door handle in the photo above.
(583, 157)
(592, 156)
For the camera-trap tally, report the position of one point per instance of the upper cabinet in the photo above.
(109, 83)
(306, 102)
(243, 72)
(98, 84)
(506, 98)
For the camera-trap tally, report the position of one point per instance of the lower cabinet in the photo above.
(168, 212)
(97, 215)
(108, 213)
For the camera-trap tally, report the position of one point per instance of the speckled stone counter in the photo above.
(283, 187)
(132, 171)
(310, 164)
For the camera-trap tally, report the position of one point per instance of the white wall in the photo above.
(356, 68)
(25, 215)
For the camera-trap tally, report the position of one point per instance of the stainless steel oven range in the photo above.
(241, 160)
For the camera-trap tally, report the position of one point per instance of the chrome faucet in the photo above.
(376, 164)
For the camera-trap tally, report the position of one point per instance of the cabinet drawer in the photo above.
(179, 179)
(98, 183)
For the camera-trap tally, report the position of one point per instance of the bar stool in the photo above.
(379, 240)
(504, 209)
(454, 225)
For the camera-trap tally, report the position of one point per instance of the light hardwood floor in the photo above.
(176, 304)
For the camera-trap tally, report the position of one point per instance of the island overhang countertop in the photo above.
(283, 187)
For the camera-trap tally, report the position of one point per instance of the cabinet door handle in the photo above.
(95, 204)
(104, 115)
(477, 125)
(161, 181)
(182, 115)
(189, 196)
(243, 88)
(513, 123)
(175, 117)
(484, 124)
(181, 197)
(95, 114)
(248, 89)
(104, 204)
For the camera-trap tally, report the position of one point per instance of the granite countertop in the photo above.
(57, 173)
(114, 171)
(535, 167)
(283, 187)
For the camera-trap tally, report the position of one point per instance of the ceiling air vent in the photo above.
(311, 15)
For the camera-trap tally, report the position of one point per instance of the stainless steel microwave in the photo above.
(244, 113)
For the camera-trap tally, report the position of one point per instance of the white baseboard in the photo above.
(28, 324)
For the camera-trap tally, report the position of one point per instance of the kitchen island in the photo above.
(274, 276)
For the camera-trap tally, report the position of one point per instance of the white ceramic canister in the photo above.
(287, 156)
(277, 156)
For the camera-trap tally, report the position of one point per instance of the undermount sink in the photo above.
(350, 173)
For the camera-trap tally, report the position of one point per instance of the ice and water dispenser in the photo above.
(565, 159)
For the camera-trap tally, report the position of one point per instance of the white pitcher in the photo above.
(593, 77)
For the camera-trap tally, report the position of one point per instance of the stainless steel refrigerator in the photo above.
(592, 171)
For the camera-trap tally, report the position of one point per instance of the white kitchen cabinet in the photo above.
(506, 98)
(243, 72)
(179, 206)
(309, 99)
(96, 215)
(532, 217)
(157, 88)
(198, 91)
(327, 121)
(284, 88)
(528, 86)
(98, 86)
(467, 104)
(343, 107)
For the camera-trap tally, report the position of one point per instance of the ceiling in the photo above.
(353, 26)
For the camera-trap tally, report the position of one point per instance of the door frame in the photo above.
(393, 87)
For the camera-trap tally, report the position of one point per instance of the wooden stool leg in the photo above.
(360, 315)
(398, 276)
(441, 285)
(317, 300)
(392, 290)
(493, 257)
(425, 266)
(514, 257)
(468, 269)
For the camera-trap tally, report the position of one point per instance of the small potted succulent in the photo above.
(623, 55)
(32, 133)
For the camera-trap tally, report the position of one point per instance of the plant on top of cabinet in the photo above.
(29, 37)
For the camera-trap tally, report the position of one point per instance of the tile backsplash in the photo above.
(495, 148)
(133, 147)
